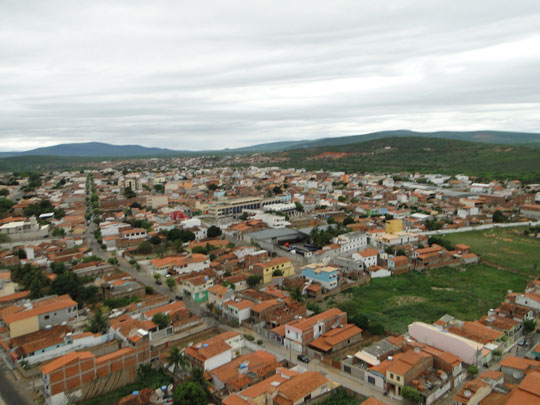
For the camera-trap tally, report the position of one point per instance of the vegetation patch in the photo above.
(397, 301)
(506, 247)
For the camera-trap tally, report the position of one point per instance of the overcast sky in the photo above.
(214, 74)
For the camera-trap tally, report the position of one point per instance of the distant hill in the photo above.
(493, 137)
(93, 149)
(98, 149)
(422, 154)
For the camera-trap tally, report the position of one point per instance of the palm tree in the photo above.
(176, 359)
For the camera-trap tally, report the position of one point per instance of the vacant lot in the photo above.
(503, 247)
(464, 293)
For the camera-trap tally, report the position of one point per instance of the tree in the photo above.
(5, 205)
(189, 393)
(180, 234)
(376, 329)
(170, 283)
(277, 190)
(411, 394)
(401, 252)
(155, 240)
(161, 320)
(498, 217)
(98, 323)
(473, 371)
(129, 193)
(213, 187)
(58, 232)
(277, 273)
(160, 188)
(175, 359)
(361, 321)
(529, 325)
(253, 280)
(145, 248)
(296, 294)
(348, 220)
(299, 206)
(214, 231)
(497, 353)
(113, 261)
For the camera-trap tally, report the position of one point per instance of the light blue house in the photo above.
(326, 276)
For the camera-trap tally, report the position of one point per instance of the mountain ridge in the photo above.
(100, 149)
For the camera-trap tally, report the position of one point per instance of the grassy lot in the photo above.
(506, 247)
(399, 300)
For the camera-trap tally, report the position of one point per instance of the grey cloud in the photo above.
(189, 75)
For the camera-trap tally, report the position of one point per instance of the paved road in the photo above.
(10, 389)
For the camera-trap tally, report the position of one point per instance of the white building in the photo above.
(351, 241)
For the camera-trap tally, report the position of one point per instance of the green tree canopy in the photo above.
(253, 280)
(98, 323)
(161, 320)
(189, 393)
(214, 231)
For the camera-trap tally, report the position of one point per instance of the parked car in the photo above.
(303, 358)
(158, 282)
(179, 297)
(522, 342)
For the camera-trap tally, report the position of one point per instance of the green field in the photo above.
(505, 247)
(466, 293)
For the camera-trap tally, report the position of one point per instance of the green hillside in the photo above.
(425, 155)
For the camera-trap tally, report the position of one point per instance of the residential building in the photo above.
(219, 294)
(244, 371)
(32, 316)
(238, 310)
(301, 332)
(79, 375)
(216, 351)
(197, 287)
(326, 276)
(337, 339)
(267, 269)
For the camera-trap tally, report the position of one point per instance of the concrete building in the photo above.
(216, 351)
(38, 314)
(468, 351)
(82, 375)
(267, 269)
(326, 276)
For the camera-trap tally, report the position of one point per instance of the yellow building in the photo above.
(266, 269)
(394, 226)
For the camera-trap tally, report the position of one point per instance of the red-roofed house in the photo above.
(216, 351)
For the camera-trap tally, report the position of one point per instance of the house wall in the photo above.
(528, 302)
(78, 344)
(468, 351)
(375, 380)
(381, 273)
(23, 327)
(57, 317)
(218, 360)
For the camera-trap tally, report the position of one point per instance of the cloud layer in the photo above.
(216, 74)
